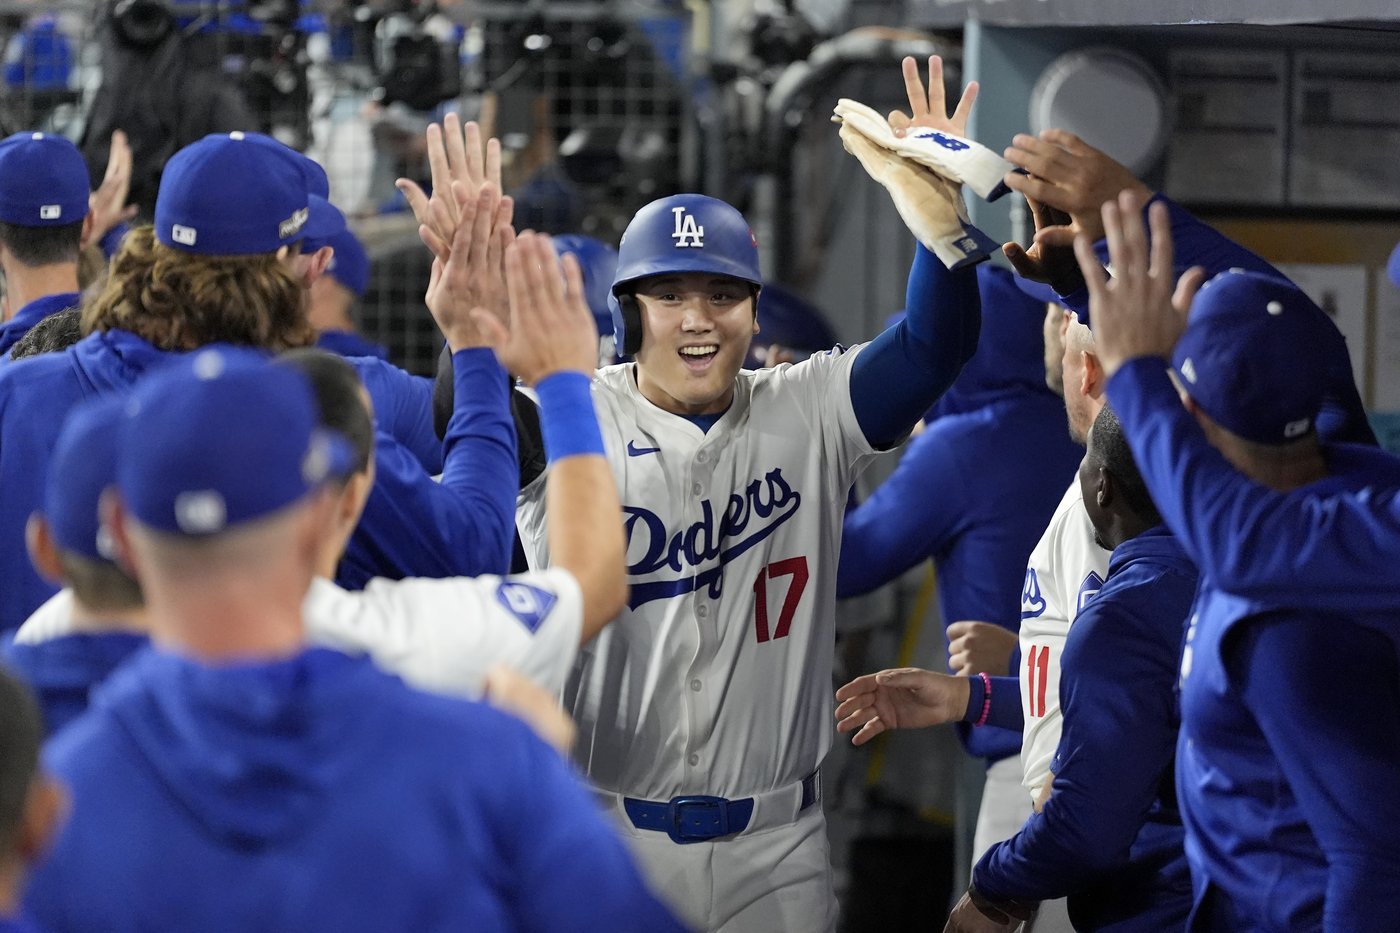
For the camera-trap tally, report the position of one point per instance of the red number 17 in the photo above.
(795, 567)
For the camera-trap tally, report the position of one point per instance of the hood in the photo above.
(250, 750)
(115, 359)
(1010, 357)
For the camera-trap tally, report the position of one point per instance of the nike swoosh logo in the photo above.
(634, 451)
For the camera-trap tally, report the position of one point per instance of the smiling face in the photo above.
(696, 329)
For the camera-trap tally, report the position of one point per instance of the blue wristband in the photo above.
(568, 420)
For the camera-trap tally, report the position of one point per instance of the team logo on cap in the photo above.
(50, 211)
(1297, 428)
(185, 236)
(201, 512)
(293, 223)
(688, 231)
(1188, 371)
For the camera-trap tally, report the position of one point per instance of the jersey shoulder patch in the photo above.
(1088, 590)
(529, 604)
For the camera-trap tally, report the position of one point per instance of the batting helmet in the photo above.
(682, 233)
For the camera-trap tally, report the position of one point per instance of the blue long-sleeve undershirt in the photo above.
(908, 366)
(1006, 711)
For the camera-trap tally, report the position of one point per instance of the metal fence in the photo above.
(588, 98)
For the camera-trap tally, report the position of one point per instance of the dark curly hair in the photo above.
(176, 300)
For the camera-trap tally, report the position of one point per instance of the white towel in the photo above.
(954, 157)
(931, 206)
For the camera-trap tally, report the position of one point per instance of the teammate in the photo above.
(235, 752)
(1109, 835)
(702, 710)
(216, 257)
(333, 295)
(1269, 735)
(44, 218)
(415, 628)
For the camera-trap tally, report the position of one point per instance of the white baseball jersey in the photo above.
(438, 635)
(716, 678)
(1066, 569)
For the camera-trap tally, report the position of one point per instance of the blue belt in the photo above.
(699, 818)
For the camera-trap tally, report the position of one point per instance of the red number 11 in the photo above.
(795, 567)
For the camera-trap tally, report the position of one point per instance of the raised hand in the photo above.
(468, 278)
(904, 698)
(107, 204)
(979, 648)
(928, 107)
(1069, 175)
(1047, 260)
(461, 165)
(1141, 310)
(550, 328)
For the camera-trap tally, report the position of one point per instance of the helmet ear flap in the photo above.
(632, 324)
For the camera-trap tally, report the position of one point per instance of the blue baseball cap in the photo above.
(350, 264)
(324, 224)
(598, 262)
(240, 194)
(43, 181)
(220, 438)
(1250, 356)
(84, 464)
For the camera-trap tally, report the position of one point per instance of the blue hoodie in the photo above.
(317, 793)
(36, 395)
(976, 489)
(62, 672)
(466, 524)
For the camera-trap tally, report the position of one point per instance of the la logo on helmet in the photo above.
(687, 232)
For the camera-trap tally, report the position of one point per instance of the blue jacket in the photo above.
(13, 330)
(1289, 754)
(976, 489)
(62, 672)
(317, 793)
(1110, 836)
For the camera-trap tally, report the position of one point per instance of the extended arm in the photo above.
(1254, 539)
(907, 367)
(1115, 751)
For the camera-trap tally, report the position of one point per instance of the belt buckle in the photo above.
(681, 807)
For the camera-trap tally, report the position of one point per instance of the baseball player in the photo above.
(702, 710)
(1109, 835)
(415, 628)
(332, 297)
(1286, 769)
(234, 751)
